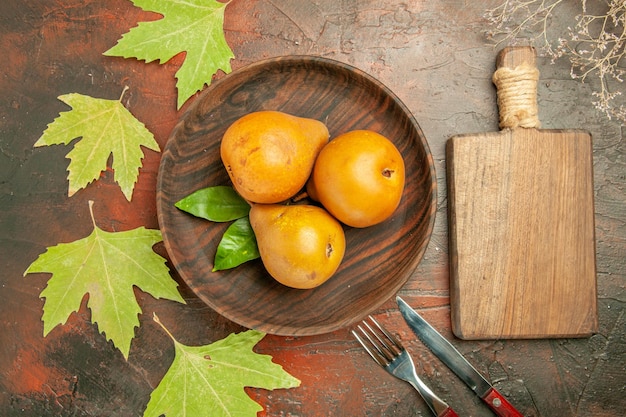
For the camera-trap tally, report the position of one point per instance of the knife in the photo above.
(449, 355)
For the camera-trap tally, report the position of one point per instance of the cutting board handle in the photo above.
(516, 78)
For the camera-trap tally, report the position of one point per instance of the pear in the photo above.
(269, 155)
(301, 246)
(359, 178)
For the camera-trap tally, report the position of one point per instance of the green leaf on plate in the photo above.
(105, 265)
(192, 26)
(238, 245)
(209, 380)
(218, 204)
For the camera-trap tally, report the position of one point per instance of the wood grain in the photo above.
(378, 259)
(522, 235)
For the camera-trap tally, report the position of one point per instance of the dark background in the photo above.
(434, 56)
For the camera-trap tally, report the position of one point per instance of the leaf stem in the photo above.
(93, 219)
(126, 88)
(156, 319)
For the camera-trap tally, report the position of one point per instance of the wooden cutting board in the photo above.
(521, 217)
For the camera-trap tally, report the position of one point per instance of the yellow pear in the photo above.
(269, 155)
(301, 246)
(359, 178)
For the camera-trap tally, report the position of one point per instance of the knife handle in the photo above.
(500, 405)
(448, 412)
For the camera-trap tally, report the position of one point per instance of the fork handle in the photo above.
(438, 406)
(448, 412)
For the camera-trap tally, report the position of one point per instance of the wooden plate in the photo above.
(378, 260)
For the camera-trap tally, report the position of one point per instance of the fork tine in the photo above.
(397, 347)
(380, 345)
(378, 357)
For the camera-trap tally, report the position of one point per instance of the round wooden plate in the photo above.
(378, 260)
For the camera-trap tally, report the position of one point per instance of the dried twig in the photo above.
(594, 43)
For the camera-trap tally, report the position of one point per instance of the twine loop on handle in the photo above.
(517, 96)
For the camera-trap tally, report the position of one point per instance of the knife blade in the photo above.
(449, 355)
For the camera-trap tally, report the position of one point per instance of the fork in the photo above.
(388, 352)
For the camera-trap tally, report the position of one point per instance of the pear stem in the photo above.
(299, 197)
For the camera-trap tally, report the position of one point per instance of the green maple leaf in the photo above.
(209, 380)
(192, 26)
(105, 265)
(106, 127)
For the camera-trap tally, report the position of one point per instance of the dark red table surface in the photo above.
(434, 56)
